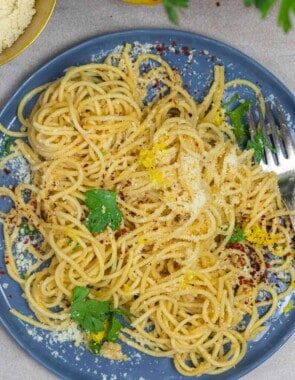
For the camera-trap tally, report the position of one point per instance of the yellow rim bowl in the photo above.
(40, 19)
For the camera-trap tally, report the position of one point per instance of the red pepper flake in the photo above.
(156, 84)
(237, 246)
(185, 50)
(123, 231)
(160, 48)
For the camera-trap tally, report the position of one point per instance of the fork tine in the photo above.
(252, 124)
(269, 156)
(285, 132)
(274, 131)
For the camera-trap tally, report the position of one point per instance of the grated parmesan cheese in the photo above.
(111, 350)
(15, 16)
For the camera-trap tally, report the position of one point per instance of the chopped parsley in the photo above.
(6, 146)
(95, 316)
(236, 116)
(237, 235)
(76, 247)
(26, 230)
(258, 143)
(104, 210)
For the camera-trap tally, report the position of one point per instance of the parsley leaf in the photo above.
(95, 316)
(284, 18)
(236, 116)
(263, 5)
(285, 9)
(104, 210)
(170, 6)
(258, 143)
(6, 148)
(26, 230)
(80, 293)
(114, 329)
(121, 312)
(90, 314)
(95, 347)
(238, 235)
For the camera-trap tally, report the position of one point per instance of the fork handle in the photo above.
(287, 188)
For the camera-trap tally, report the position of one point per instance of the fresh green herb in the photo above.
(95, 316)
(80, 293)
(121, 312)
(236, 117)
(285, 9)
(263, 5)
(170, 7)
(76, 247)
(26, 230)
(284, 17)
(115, 326)
(6, 148)
(258, 143)
(104, 210)
(231, 100)
(90, 314)
(95, 347)
(238, 235)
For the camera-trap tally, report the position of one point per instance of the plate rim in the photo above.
(134, 35)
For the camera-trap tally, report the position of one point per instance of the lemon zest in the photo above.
(142, 240)
(290, 306)
(156, 176)
(98, 337)
(219, 117)
(127, 290)
(147, 158)
(259, 236)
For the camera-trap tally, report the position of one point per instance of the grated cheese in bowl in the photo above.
(15, 17)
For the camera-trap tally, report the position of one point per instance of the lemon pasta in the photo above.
(143, 195)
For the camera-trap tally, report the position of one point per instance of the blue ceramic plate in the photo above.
(195, 57)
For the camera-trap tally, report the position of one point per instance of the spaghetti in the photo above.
(184, 187)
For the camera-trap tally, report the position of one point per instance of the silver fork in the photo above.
(282, 161)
